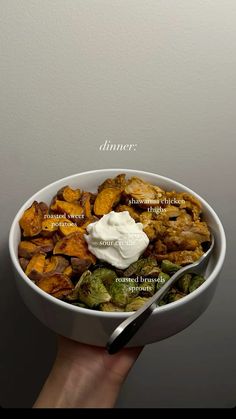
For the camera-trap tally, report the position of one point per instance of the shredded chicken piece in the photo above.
(182, 257)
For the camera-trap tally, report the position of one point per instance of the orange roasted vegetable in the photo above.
(56, 264)
(23, 263)
(74, 245)
(49, 226)
(56, 284)
(85, 202)
(106, 200)
(45, 244)
(72, 211)
(79, 266)
(68, 194)
(68, 271)
(31, 220)
(35, 267)
(26, 249)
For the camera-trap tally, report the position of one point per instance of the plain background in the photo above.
(159, 73)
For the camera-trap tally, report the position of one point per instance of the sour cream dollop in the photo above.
(117, 239)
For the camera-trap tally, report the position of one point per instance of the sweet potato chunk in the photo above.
(56, 284)
(35, 266)
(56, 264)
(31, 220)
(72, 211)
(105, 200)
(79, 266)
(23, 263)
(74, 245)
(27, 249)
(68, 194)
(85, 202)
(67, 227)
(68, 271)
(44, 208)
(49, 226)
(45, 244)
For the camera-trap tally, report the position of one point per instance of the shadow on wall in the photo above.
(27, 348)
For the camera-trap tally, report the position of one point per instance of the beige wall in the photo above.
(159, 73)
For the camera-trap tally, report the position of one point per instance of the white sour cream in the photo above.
(117, 239)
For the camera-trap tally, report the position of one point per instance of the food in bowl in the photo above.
(112, 250)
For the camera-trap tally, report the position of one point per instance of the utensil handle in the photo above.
(130, 326)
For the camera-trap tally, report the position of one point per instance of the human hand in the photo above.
(85, 376)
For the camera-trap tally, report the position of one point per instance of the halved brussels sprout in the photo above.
(184, 282)
(162, 279)
(136, 303)
(90, 290)
(107, 276)
(169, 267)
(123, 292)
(110, 307)
(196, 281)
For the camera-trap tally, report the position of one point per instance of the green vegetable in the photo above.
(136, 303)
(122, 293)
(147, 287)
(106, 275)
(162, 279)
(110, 307)
(145, 266)
(174, 295)
(196, 281)
(91, 290)
(184, 282)
(169, 267)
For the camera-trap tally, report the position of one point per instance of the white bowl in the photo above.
(94, 327)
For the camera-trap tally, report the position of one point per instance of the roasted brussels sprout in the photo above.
(161, 280)
(136, 303)
(184, 282)
(110, 307)
(91, 291)
(169, 267)
(196, 281)
(122, 293)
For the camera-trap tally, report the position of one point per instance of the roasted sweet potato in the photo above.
(68, 227)
(74, 245)
(85, 202)
(35, 267)
(56, 284)
(106, 200)
(56, 264)
(23, 263)
(73, 211)
(79, 266)
(68, 271)
(68, 194)
(89, 220)
(44, 208)
(26, 249)
(45, 244)
(31, 220)
(49, 226)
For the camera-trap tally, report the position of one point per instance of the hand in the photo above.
(85, 376)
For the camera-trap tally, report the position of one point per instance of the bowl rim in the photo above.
(116, 315)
